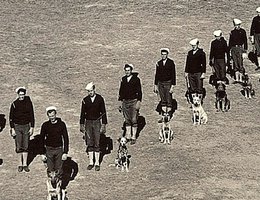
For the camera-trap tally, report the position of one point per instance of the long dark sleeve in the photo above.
(173, 74)
(139, 90)
(156, 75)
(82, 113)
(103, 112)
(203, 63)
(32, 119)
(11, 116)
(65, 139)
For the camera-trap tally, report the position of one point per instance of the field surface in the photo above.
(55, 47)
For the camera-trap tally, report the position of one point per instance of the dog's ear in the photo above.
(119, 139)
(129, 156)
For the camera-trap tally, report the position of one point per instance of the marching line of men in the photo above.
(93, 117)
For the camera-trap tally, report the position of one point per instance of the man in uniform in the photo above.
(255, 35)
(93, 120)
(238, 47)
(165, 80)
(130, 96)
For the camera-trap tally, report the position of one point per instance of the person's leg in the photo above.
(90, 142)
(50, 153)
(235, 57)
(25, 144)
(18, 146)
(192, 82)
(199, 83)
(97, 126)
(58, 161)
(217, 69)
(127, 115)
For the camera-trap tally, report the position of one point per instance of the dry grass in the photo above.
(56, 47)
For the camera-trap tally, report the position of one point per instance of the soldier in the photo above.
(165, 80)
(54, 137)
(130, 96)
(22, 121)
(195, 68)
(218, 51)
(255, 35)
(93, 120)
(238, 47)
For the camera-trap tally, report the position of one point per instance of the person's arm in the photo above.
(103, 111)
(245, 41)
(82, 117)
(32, 118)
(65, 139)
(211, 54)
(173, 74)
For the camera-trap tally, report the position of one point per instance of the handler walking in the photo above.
(238, 47)
(21, 119)
(255, 35)
(165, 80)
(217, 57)
(55, 139)
(130, 96)
(93, 120)
(195, 68)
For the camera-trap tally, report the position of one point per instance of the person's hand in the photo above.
(138, 105)
(44, 158)
(82, 128)
(12, 132)
(64, 156)
(31, 131)
(155, 89)
(185, 74)
(171, 89)
(120, 107)
(244, 55)
(252, 39)
(103, 128)
(202, 76)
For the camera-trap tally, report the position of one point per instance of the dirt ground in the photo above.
(56, 47)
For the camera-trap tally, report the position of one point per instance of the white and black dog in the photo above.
(247, 89)
(54, 186)
(199, 115)
(222, 102)
(123, 159)
(165, 132)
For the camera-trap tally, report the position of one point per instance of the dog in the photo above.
(165, 132)
(199, 115)
(189, 93)
(222, 102)
(54, 187)
(247, 89)
(123, 159)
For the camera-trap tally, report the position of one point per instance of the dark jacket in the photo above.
(55, 135)
(218, 49)
(93, 111)
(165, 73)
(196, 63)
(255, 26)
(238, 37)
(130, 90)
(21, 112)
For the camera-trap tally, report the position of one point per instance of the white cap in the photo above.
(51, 108)
(258, 9)
(217, 33)
(194, 42)
(90, 86)
(20, 88)
(237, 21)
(165, 49)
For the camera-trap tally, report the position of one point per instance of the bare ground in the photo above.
(56, 47)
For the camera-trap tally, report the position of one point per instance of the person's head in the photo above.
(258, 11)
(217, 34)
(51, 113)
(164, 53)
(21, 91)
(128, 69)
(237, 23)
(90, 89)
(194, 44)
